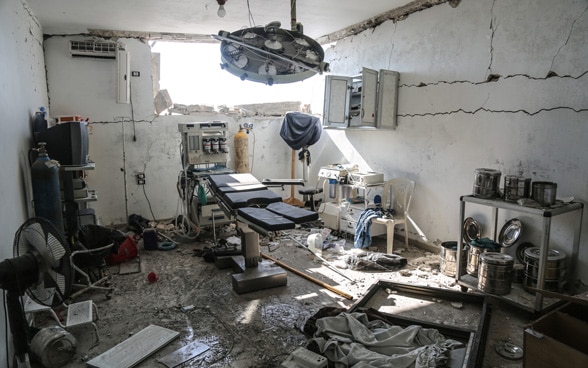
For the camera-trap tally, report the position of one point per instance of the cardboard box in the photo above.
(558, 339)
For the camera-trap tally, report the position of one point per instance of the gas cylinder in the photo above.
(46, 194)
(241, 151)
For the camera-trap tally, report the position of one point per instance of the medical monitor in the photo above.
(66, 142)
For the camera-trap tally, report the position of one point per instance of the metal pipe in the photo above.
(293, 15)
(325, 262)
(309, 278)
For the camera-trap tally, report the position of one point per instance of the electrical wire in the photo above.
(5, 327)
(253, 150)
(132, 110)
(21, 307)
(184, 229)
(251, 20)
(149, 203)
(231, 333)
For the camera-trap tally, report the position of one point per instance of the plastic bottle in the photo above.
(215, 146)
(332, 188)
(223, 145)
(40, 121)
(315, 243)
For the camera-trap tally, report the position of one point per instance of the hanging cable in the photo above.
(149, 203)
(251, 20)
(5, 327)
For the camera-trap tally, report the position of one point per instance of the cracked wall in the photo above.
(497, 84)
(22, 92)
(128, 138)
(500, 84)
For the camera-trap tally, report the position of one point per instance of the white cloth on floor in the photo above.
(351, 340)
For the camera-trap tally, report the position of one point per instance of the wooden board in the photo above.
(135, 349)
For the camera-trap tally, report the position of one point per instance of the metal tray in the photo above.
(471, 230)
(510, 232)
(391, 300)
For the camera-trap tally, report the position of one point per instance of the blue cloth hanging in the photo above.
(363, 237)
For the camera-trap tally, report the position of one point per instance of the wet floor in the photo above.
(261, 328)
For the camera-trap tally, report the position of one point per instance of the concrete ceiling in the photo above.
(199, 17)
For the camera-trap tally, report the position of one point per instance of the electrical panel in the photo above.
(204, 142)
(368, 100)
(123, 61)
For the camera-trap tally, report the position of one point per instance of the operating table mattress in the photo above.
(242, 190)
(256, 203)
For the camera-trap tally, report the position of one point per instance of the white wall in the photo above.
(452, 120)
(22, 91)
(144, 142)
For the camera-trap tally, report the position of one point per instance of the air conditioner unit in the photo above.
(94, 49)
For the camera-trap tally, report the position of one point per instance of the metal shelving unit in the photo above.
(518, 296)
(71, 203)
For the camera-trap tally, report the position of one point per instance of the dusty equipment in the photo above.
(40, 268)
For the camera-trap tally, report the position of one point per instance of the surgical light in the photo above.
(269, 54)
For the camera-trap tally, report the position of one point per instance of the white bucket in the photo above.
(315, 243)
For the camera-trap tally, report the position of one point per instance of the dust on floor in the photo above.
(257, 329)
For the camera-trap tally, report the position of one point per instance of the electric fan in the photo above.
(41, 267)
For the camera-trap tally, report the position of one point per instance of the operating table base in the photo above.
(265, 276)
(251, 272)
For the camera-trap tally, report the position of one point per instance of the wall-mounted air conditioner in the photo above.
(94, 49)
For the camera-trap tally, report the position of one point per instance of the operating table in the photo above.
(257, 210)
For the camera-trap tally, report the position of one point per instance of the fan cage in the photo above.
(55, 279)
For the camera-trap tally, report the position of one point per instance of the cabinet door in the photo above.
(387, 99)
(337, 96)
(368, 89)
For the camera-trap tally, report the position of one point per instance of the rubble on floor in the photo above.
(261, 328)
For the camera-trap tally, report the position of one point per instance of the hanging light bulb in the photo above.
(221, 12)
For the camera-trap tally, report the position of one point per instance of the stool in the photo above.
(81, 314)
(310, 192)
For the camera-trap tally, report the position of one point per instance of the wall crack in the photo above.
(483, 109)
(567, 38)
(392, 49)
(494, 78)
(493, 27)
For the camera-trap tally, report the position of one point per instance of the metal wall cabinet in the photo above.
(537, 303)
(368, 100)
(387, 99)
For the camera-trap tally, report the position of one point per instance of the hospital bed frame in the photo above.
(257, 210)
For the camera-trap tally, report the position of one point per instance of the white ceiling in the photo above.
(199, 17)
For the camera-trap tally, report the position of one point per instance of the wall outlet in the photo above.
(140, 178)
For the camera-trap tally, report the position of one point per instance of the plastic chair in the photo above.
(396, 197)
(91, 258)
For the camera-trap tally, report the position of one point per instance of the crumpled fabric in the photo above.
(299, 129)
(363, 236)
(376, 262)
(352, 340)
